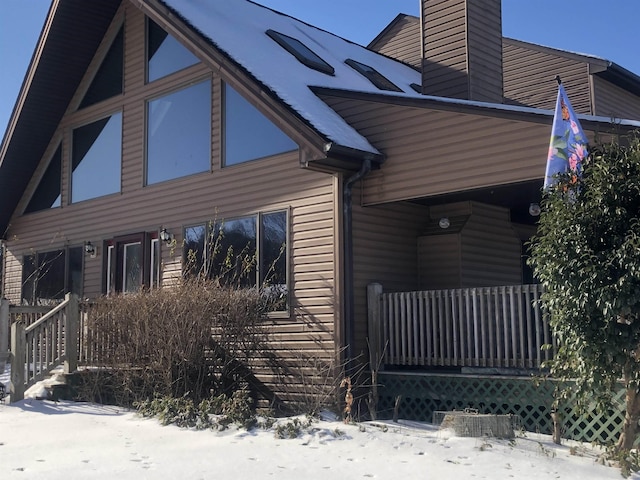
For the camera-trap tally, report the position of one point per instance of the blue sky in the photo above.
(607, 29)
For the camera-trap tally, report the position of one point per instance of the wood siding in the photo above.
(274, 183)
(484, 252)
(490, 248)
(462, 49)
(614, 102)
(529, 77)
(385, 251)
(402, 41)
(432, 152)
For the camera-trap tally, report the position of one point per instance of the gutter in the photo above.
(349, 321)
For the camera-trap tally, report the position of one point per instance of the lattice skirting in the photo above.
(531, 399)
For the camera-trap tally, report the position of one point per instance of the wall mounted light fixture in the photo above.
(166, 236)
(444, 223)
(90, 250)
(534, 209)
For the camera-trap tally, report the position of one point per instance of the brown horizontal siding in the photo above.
(402, 42)
(490, 248)
(432, 152)
(484, 26)
(615, 102)
(439, 261)
(385, 251)
(529, 78)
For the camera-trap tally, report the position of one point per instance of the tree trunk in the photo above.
(632, 415)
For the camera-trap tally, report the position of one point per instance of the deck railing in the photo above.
(472, 327)
(42, 341)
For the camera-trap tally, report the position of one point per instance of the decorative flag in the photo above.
(568, 145)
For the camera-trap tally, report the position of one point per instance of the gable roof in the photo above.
(51, 80)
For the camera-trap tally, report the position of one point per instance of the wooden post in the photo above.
(374, 317)
(71, 334)
(18, 359)
(374, 290)
(4, 332)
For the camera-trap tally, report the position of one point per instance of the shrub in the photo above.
(194, 339)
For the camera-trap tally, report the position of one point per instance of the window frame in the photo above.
(166, 93)
(67, 280)
(148, 80)
(210, 228)
(71, 169)
(224, 130)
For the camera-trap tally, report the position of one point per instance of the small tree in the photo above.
(587, 255)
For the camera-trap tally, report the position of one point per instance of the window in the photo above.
(108, 80)
(165, 55)
(179, 133)
(47, 194)
(249, 135)
(299, 50)
(96, 158)
(246, 251)
(131, 263)
(375, 77)
(49, 275)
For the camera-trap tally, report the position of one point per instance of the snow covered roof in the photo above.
(238, 28)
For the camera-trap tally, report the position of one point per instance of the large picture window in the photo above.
(165, 54)
(50, 275)
(96, 158)
(179, 133)
(248, 134)
(247, 251)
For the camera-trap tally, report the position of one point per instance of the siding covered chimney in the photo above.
(462, 49)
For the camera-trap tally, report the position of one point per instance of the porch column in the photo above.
(71, 334)
(4, 333)
(374, 318)
(18, 360)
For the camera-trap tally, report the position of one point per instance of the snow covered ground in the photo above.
(66, 440)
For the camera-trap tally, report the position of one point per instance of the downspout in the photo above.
(349, 321)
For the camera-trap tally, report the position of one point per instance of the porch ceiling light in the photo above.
(166, 236)
(534, 209)
(89, 249)
(444, 223)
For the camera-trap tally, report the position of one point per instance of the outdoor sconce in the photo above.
(90, 250)
(444, 223)
(534, 209)
(166, 236)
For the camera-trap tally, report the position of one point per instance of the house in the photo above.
(141, 121)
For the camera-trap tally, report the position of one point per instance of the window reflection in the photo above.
(179, 133)
(47, 195)
(96, 158)
(165, 54)
(249, 135)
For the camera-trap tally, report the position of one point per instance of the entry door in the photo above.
(127, 263)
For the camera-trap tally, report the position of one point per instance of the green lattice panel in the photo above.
(423, 394)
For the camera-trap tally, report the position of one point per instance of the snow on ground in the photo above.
(67, 440)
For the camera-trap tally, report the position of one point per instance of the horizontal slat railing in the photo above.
(473, 327)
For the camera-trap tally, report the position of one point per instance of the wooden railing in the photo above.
(473, 327)
(42, 341)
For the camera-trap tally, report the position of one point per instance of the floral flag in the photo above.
(568, 145)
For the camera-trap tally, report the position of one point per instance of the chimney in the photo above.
(462, 49)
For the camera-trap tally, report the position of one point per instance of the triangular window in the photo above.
(108, 80)
(248, 134)
(47, 195)
(165, 55)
